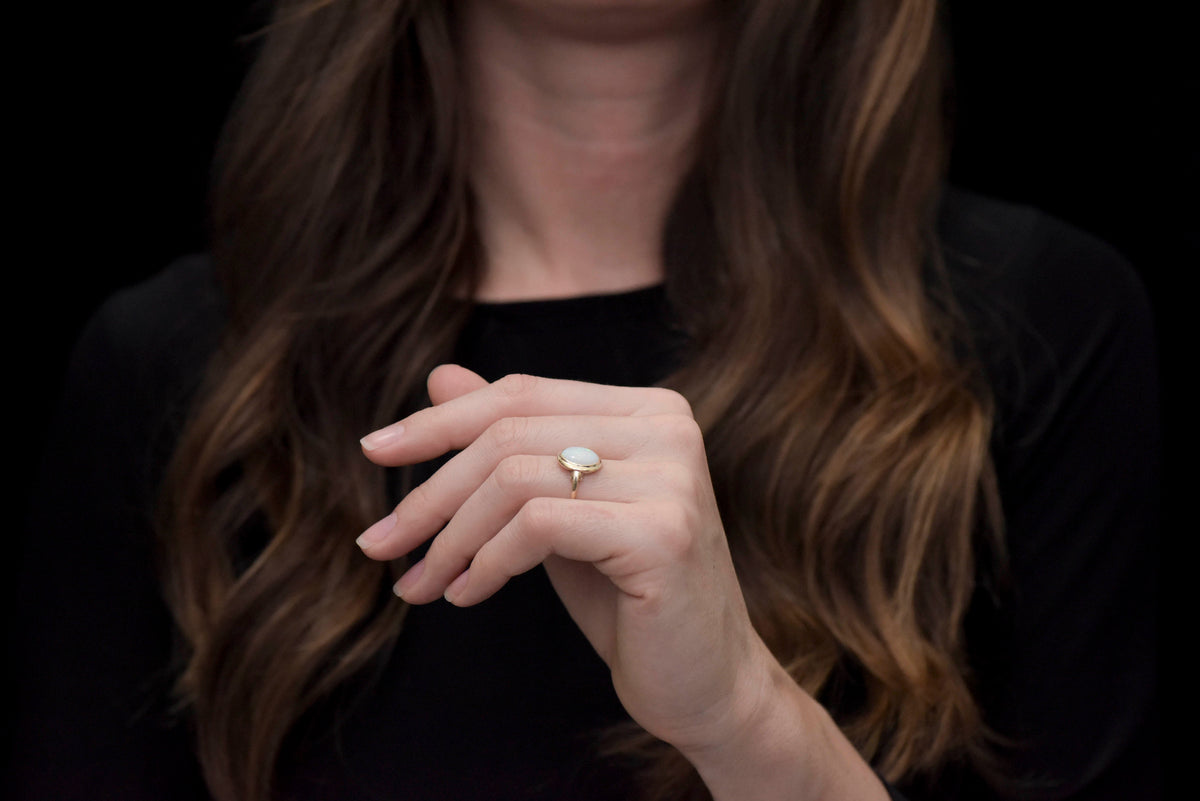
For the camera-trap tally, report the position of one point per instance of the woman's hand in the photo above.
(639, 557)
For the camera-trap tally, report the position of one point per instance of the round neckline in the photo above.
(651, 294)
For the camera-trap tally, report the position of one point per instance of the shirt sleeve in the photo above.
(92, 642)
(1066, 663)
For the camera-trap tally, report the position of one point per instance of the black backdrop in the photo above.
(1061, 104)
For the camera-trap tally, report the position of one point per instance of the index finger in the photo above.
(457, 423)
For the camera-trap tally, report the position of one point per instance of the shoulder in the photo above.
(1035, 265)
(1047, 305)
(163, 320)
(135, 368)
(154, 338)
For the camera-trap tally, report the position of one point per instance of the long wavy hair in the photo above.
(847, 435)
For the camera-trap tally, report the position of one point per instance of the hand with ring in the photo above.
(636, 551)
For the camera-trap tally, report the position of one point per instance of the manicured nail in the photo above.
(376, 533)
(384, 436)
(457, 586)
(410, 578)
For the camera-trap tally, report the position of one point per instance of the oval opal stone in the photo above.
(585, 457)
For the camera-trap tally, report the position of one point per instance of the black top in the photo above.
(502, 700)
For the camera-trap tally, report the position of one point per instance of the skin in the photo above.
(585, 115)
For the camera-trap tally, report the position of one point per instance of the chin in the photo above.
(608, 18)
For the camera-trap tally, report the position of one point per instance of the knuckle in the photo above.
(516, 386)
(683, 430)
(671, 401)
(674, 477)
(507, 431)
(676, 532)
(516, 472)
(539, 516)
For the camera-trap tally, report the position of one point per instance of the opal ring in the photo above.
(580, 461)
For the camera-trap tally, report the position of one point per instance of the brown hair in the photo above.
(847, 443)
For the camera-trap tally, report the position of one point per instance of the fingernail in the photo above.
(457, 586)
(410, 578)
(384, 436)
(376, 533)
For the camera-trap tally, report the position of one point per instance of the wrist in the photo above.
(777, 742)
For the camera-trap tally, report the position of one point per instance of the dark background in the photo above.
(1064, 105)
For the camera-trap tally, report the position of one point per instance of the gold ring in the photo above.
(580, 461)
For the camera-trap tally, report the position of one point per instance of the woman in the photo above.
(875, 463)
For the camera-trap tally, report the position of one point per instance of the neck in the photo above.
(583, 122)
